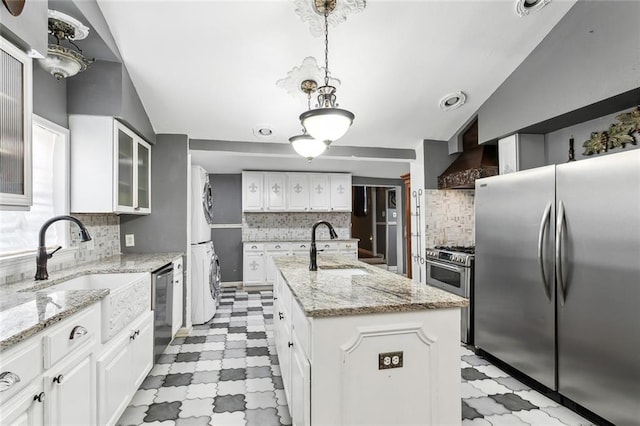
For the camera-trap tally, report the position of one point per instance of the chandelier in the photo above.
(305, 144)
(326, 123)
(61, 61)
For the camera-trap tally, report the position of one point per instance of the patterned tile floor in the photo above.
(226, 373)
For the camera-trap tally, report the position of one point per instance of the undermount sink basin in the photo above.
(345, 272)
(129, 296)
(98, 281)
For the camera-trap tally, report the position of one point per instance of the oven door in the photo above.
(449, 277)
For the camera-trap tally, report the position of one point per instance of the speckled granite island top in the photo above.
(344, 286)
(24, 312)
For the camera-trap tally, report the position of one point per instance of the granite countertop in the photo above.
(325, 294)
(27, 307)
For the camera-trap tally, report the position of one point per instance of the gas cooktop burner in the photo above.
(458, 249)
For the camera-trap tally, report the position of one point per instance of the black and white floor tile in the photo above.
(226, 373)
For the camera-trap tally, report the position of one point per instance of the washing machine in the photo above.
(205, 282)
(201, 205)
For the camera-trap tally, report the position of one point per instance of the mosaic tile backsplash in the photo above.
(105, 233)
(293, 226)
(450, 217)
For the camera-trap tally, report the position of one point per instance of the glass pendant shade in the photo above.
(327, 124)
(306, 146)
(62, 62)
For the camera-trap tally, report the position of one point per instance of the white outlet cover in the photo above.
(129, 240)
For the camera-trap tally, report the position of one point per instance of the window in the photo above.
(50, 154)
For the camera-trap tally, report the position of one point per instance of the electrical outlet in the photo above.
(390, 360)
(129, 240)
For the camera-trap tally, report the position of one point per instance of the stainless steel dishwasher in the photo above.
(162, 306)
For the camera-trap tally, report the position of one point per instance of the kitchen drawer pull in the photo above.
(77, 332)
(281, 315)
(326, 246)
(7, 380)
(254, 247)
(278, 246)
(39, 397)
(290, 344)
(303, 246)
(58, 379)
(134, 335)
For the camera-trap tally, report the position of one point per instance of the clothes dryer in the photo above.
(201, 205)
(205, 282)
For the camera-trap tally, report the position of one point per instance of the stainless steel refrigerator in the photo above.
(557, 280)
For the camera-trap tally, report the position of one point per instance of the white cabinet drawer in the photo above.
(277, 247)
(19, 367)
(70, 334)
(254, 247)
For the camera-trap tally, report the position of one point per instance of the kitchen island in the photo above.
(360, 345)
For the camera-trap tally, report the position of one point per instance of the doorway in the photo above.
(376, 222)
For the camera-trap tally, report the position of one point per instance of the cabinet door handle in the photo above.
(39, 397)
(275, 297)
(290, 344)
(77, 332)
(281, 315)
(7, 380)
(58, 379)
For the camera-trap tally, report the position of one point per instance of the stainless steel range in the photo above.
(451, 269)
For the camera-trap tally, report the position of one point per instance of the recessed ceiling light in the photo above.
(453, 101)
(525, 7)
(263, 131)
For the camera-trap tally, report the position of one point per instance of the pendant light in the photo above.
(326, 123)
(305, 144)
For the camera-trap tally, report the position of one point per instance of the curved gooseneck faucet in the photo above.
(313, 253)
(42, 256)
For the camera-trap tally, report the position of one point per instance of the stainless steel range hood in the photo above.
(475, 162)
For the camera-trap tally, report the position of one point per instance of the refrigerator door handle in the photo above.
(544, 223)
(559, 228)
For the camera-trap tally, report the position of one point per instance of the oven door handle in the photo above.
(544, 223)
(447, 266)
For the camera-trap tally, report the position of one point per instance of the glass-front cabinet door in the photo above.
(15, 127)
(133, 172)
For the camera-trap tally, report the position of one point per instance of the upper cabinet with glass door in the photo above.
(110, 167)
(15, 127)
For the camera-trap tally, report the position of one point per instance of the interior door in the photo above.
(598, 332)
(514, 309)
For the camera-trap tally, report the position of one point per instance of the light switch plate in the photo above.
(129, 240)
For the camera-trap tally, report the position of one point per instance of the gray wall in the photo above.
(227, 209)
(228, 246)
(105, 88)
(29, 29)
(436, 161)
(165, 229)
(227, 198)
(592, 54)
(49, 97)
(557, 143)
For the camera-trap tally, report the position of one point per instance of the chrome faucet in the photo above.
(313, 253)
(43, 256)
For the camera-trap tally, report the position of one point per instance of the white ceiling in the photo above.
(209, 68)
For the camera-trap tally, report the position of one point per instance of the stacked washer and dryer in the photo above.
(205, 268)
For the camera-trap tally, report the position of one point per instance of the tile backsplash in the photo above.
(450, 217)
(292, 226)
(105, 234)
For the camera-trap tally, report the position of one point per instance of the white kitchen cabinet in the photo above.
(70, 389)
(300, 383)
(110, 167)
(178, 282)
(297, 192)
(26, 408)
(252, 191)
(253, 270)
(520, 152)
(319, 192)
(275, 185)
(122, 366)
(340, 192)
(16, 104)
